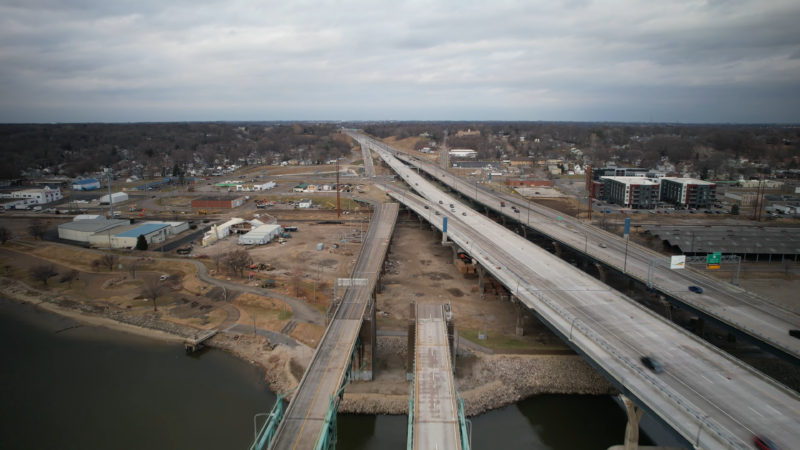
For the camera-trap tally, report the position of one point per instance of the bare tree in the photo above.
(132, 268)
(42, 273)
(296, 276)
(96, 265)
(109, 261)
(5, 235)
(238, 261)
(36, 229)
(217, 257)
(155, 289)
(71, 276)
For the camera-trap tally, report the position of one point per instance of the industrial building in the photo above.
(462, 153)
(218, 202)
(118, 197)
(743, 198)
(218, 232)
(631, 192)
(256, 187)
(688, 192)
(21, 199)
(755, 244)
(88, 184)
(260, 235)
(81, 230)
(126, 236)
(89, 217)
(174, 227)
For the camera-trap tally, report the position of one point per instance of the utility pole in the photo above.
(338, 205)
(110, 198)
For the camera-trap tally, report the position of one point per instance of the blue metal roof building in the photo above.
(144, 229)
(86, 185)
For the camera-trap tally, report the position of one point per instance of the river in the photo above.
(94, 388)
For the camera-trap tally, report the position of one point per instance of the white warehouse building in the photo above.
(260, 235)
(81, 230)
(118, 197)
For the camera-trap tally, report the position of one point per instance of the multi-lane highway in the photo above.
(710, 399)
(305, 418)
(435, 411)
(765, 321)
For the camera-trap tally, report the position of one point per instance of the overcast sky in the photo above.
(188, 60)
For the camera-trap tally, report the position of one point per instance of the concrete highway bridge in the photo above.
(707, 398)
(757, 319)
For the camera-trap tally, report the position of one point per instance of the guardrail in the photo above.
(688, 434)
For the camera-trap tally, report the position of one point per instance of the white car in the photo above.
(603, 246)
(164, 278)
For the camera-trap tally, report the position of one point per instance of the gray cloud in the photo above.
(93, 60)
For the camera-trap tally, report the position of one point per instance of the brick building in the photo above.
(218, 202)
(688, 192)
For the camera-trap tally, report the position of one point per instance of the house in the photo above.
(302, 187)
(554, 169)
(305, 203)
(86, 185)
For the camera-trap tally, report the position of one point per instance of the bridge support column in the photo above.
(631, 286)
(602, 271)
(420, 221)
(487, 211)
(667, 307)
(520, 331)
(700, 327)
(558, 248)
(525, 232)
(632, 430)
(481, 272)
(367, 353)
(503, 218)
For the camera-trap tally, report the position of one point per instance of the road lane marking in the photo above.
(707, 379)
(776, 411)
(751, 409)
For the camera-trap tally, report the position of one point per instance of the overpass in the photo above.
(310, 420)
(760, 320)
(707, 398)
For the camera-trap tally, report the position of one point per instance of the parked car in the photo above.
(652, 364)
(163, 278)
(696, 289)
(763, 443)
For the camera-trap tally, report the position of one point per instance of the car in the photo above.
(451, 205)
(717, 212)
(63, 280)
(440, 202)
(603, 245)
(517, 211)
(463, 214)
(152, 196)
(163, 278)
(763, 443)
(658, 212)
(437, 213)
(652, 212)
(666, 212)
(652, 364)
(622, 211)
(416, 184)
(696, 289)
(692, 212)
(452, 210)
(426, 206)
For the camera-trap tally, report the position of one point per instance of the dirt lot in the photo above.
(422, 271)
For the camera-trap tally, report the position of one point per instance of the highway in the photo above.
(368, 169)
(708, 398)
(305, 416)
(764, 320)
(435, 411)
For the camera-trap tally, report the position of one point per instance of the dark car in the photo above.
(763, 443)
(696, 289)
(440, 202)
(63, 280)
(652, 364)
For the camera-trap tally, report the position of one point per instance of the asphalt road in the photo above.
(702, 389)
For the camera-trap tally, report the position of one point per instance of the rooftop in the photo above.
(93, 224)
(144, 229)
(641, 181)
(689, 181)
(86, 181)
(222, 198)
(728, 239)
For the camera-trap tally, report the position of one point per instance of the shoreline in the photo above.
(486, 382)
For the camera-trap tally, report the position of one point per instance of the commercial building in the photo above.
(21, 199)
(260, 235)
(688, 192)
(462, 153)
(631, 192)
(305, 203)
(743, 199)
(256, 187)
(529, 182)
(218, 202)
(118, 197)
(88, 184)
(81, 230)
(89, 217)
(520, 161)
(174, 227)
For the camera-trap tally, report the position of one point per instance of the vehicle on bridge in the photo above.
(696, 289)
(763, 443)
(652, 364)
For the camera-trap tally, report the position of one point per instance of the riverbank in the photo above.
(485, 382)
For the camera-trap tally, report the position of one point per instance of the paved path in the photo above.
(274, 338)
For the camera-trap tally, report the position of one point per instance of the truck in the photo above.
(184, 251)
(290, 228)
(285, 235)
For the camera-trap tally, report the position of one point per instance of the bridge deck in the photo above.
(436, 413)
(302, 424)
(701, 388)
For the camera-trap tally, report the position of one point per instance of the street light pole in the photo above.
(625, 268)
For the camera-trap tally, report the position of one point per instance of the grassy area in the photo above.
(358, 162)
(499, 341)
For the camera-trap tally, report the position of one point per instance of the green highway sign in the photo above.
(714, 258)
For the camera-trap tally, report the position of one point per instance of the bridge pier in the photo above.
(520, 331)
(602, 269)
(700, 327)
(487, 211)
(525, 232)
(503, 218)
(412, 340)
(667, 307)
(558, 248)
(631, 286)
(632, 429)
(367, 351)
(481, 273)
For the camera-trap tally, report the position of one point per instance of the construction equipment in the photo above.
(332, 206)
(202, 212)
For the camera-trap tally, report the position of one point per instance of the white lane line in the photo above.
(707, 379)
(776, 411)
(640, 334)
(668, 354)
(756, 411)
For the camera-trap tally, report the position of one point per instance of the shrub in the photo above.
(193, 227)
(205, 221)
